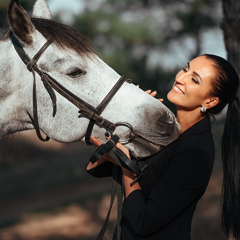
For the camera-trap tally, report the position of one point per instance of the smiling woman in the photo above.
(191, 91)
(162, 203)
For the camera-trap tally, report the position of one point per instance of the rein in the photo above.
(94, 114)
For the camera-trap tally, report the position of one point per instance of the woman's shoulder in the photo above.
(201, 142)
(194, 151)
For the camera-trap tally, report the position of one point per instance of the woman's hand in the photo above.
(128, 176)
(106, 157)
(153, 94)
(96, 143)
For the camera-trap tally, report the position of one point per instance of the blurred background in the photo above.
(45, 193)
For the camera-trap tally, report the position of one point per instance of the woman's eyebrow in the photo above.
(195, 73)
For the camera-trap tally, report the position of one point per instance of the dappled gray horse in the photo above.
(142, 122)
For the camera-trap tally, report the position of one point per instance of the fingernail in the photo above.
(107, 134)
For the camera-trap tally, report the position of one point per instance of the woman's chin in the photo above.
(171, 96)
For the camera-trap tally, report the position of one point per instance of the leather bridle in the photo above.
(94, 114)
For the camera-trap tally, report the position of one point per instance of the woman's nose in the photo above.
(180, 78)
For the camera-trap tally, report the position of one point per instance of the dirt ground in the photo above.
(74, 221)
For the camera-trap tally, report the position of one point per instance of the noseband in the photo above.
(94, 114)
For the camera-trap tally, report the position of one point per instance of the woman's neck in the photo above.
(188, 118)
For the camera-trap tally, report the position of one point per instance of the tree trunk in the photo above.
(231, 28)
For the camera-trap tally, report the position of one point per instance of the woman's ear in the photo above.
(211, 102)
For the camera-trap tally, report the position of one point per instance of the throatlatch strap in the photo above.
(35, 112)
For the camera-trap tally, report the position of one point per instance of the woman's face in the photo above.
(193, 84)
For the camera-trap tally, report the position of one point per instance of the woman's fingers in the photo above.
(153, 94)
(96, 142)
(120, 146)
(124, 149)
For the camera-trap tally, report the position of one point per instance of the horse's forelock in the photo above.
(64, 36)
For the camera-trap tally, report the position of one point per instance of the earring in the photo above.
(107, 134)
(203, 109)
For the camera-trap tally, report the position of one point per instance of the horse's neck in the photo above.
(5, 70)
(4, 56)
(11, 83)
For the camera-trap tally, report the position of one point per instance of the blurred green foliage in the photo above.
(27, 4)
(127, 34)
(134, 37)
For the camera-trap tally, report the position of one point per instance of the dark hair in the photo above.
(225, 84)
(64, 36)
(225, 87)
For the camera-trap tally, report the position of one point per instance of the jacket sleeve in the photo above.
(183, 182)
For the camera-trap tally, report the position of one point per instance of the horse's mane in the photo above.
(64, 36)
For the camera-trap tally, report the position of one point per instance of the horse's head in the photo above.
(73, 63)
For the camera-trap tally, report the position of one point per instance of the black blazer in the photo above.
(172, 184)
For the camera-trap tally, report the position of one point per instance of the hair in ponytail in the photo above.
(225, 87)
(231, 171)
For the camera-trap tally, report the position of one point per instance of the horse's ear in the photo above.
(41, 10)
(20, 22)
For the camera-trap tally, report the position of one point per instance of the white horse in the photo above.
(73, 62)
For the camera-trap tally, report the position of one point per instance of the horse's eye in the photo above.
(76, 72)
